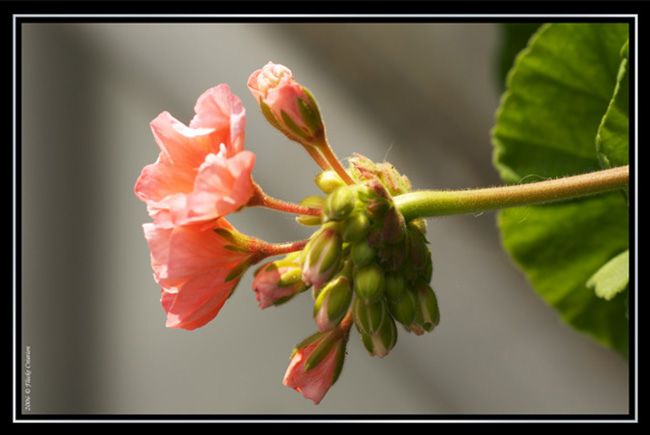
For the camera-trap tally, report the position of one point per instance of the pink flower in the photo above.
(278, 281)
(192, 266)
(286, 104)
(202, 171)
(316, 364)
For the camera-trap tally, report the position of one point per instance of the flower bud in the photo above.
(369, 283)
(428, 307)
(362, 254)
(427, 315)
(328, 181)
(395, 286)
(286, 104)
(332, 303)
(369, 316)
(316, 364)
(277, 281)
(340, 203)
(419, 264)
(381, 342)
(356, 227)
(322, 256)
(312, 201)
(394, 228)
(403, 309)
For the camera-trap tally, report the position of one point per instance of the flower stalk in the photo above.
(429, 203)
(261, 199)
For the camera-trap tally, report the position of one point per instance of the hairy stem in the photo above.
(270, 249)
(428, 203)
(261, 199)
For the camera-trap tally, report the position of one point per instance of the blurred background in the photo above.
(422, 96)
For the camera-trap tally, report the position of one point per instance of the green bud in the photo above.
(356, 227)
(312, 201)
(368, 317)
(418, 264)
(427, 315)
(340, 203)
(419, 224)
(364, 193)
(428, 305)
(403, 309)
(381, 342)
(332, 303)
(369, 283)
(362, 254)
(290, 277)
(328, 181)
(395, 286)
(322, 256)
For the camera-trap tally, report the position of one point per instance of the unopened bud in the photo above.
(427, 314)
(322, 257)
(277, 281)
(340, 203)
(312, 202)
(428, 307)
(419, 264)
(369, 283)
(403, 309)
(395, 286)
(286, 104)
(328, 181)
(419, 224)
(362, 254)
(382, 341)
(332, 303)
(394, 228)
(356, 227)
(369, 316)
(316, 364)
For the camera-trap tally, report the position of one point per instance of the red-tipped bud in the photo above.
(286, 104)
(278, 281)
(322, 256)
(316, 364)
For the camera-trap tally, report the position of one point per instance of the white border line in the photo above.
(327, 15)
(13, 218)
(298, 420)
(636, 218)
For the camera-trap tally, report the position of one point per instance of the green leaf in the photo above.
(612, 278)
(612, 139)
(558, 92)
(514, 37)
(559, 247)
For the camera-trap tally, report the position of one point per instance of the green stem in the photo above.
(427, 203)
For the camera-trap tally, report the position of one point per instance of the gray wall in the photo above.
(422, 96)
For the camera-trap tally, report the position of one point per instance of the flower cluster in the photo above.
(365, 265)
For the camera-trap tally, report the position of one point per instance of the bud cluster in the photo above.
(367, 261)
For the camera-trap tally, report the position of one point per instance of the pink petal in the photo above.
(178, 253)
(222, 186)
(199, 300)
(219, 109)
(185, 147)
(194, 252)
